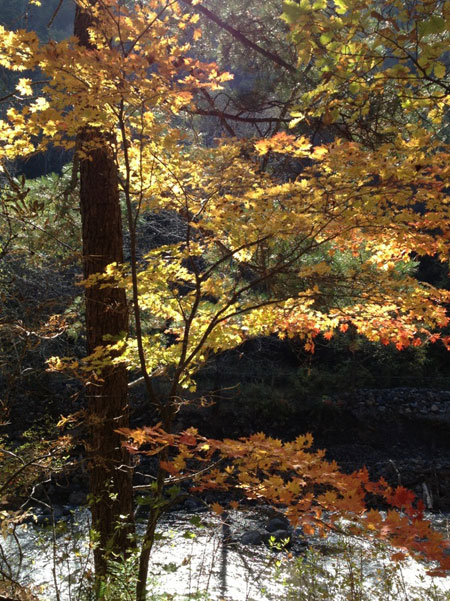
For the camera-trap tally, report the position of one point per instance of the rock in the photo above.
(41, 516)
(253, 537)
(59, 512)
(193, 504)
(43, 520)
(434, 408)
(277, 523)
(77, 497)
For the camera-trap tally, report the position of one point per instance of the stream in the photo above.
(199, 555)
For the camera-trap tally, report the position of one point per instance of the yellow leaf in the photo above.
(40, 104)
(319, 152)
(24, 86)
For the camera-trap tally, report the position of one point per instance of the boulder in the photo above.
(253, 537)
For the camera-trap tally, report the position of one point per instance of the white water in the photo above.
(191, 561)
(187, 560)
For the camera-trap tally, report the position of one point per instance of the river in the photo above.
(199, 555)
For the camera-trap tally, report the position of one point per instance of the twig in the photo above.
(56, 11)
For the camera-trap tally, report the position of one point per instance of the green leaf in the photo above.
(196, 521)
(170, 567)
(439, 70)
(341, 6)
(173, 491)
(144, 500)
(189, 534)
(325, 38)
(434, 24)
(291, 12)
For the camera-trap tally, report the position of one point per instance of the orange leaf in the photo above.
(308, 529)
(188, 439)
(402, 497)
(168, 467)
(217, 508)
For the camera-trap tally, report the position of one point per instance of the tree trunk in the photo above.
(106, 315)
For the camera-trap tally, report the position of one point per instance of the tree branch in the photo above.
(220, 114)
(240, 36)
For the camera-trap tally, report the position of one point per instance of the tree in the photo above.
(377, 67)
(257, 253)
(106, 316)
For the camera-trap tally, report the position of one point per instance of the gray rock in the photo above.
(253, 537)
(58, 512)
(41, 515)
(77, 497)
(277, 523)
(193, 504)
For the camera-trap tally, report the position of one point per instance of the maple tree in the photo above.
(313, 491)
(377, 66)
(257, 253)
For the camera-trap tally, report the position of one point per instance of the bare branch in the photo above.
(221, 115)
(241, 37)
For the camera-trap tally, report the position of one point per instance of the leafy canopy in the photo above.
(248, 260)
(256, 254)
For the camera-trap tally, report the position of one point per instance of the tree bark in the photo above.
(106, 315)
